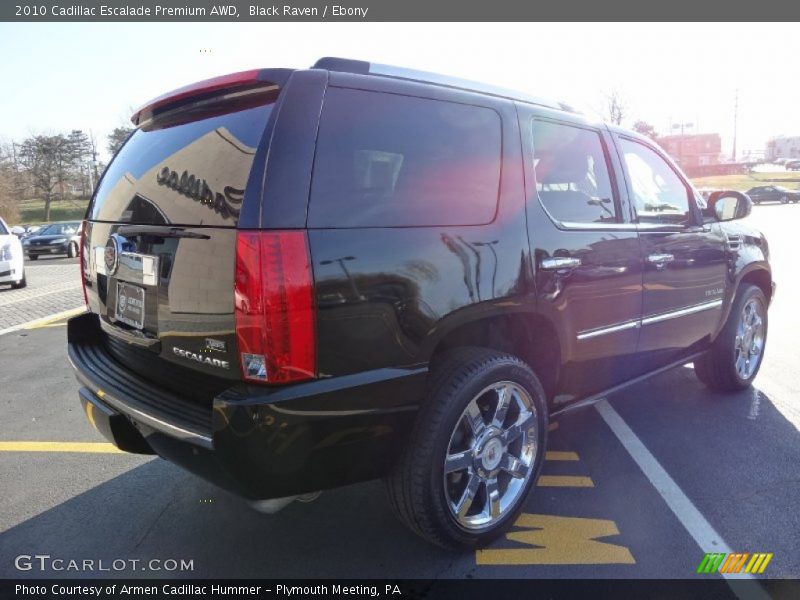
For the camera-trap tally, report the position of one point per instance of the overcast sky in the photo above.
(59, 77)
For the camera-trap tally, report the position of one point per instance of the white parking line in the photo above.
(687, 513)
(44, 320)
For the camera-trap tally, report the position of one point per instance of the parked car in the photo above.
(793, 165)
(12, 261)
(56, 238)
(773, 193)
(300, 279)
(28, 230)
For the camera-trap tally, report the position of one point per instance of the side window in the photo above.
(387, 160)
(658, 194)
(572, 177)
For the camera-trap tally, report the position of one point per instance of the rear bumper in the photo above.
(256, 441)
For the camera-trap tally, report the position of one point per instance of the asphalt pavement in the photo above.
(639, 487)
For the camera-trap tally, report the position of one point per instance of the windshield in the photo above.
(59, 229)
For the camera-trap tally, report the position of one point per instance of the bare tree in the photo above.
(9, 201)
(616, 107)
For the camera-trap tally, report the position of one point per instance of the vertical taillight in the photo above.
(275, 320)
(84, 255)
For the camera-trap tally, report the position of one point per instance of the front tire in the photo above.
(72, 250)
(475, 452)
(736, 355)
(21, 283)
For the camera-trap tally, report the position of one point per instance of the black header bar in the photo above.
(395, 11)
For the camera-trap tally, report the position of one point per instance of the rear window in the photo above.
(387, 160)
(189, 174)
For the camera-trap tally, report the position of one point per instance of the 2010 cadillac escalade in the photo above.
(299, 279)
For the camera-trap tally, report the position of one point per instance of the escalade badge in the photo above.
(199, 358)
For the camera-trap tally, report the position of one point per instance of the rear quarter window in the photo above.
(386, 160)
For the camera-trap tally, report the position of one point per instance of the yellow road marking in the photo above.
(82, 447)
(564, 481)
(552, 540)
(552, 426)
(90, 414)
(52, 320)
(561, 456)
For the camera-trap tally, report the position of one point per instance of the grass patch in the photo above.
(73, 209)
(744, 181)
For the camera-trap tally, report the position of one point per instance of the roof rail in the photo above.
(362, 67)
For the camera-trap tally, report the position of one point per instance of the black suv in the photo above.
(299, 279)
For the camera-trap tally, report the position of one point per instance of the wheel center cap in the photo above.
(492, 454)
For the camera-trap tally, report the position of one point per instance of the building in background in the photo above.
(783, 146)
(693, 150)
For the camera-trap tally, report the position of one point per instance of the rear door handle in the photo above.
(557, 263)
(659, 260)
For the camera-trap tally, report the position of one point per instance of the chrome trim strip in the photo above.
(585, 335)
(591, 333)
(682, 312)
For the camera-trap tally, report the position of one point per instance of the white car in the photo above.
(12, 258)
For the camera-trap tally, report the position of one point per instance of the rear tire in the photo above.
(468, 466)
(735, 357)
(33, 257)
(784, 200)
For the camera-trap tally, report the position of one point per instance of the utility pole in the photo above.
(735, 119)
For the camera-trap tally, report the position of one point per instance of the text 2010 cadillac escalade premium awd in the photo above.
(299, 279)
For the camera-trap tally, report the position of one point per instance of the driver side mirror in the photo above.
(728, 205)
(17, 231)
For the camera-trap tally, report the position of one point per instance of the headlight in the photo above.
(5, 252)
(25, 242)
(58, 241)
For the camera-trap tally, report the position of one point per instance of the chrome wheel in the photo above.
(491, 454)
(749, 344)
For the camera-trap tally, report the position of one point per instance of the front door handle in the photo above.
(558, 263)
(660, 260)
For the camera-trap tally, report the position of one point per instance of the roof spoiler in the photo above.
(255, 83)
